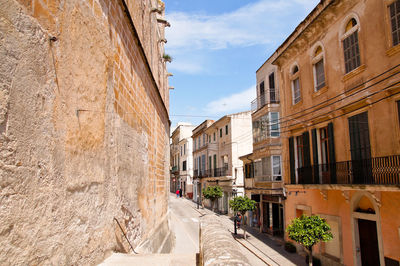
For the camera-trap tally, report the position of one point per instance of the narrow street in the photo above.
(185, 224)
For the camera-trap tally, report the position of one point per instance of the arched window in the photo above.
(350, 45)
(296, 93)
(318, 68)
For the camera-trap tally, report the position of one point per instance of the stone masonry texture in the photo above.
(84, 129)
(217, 245)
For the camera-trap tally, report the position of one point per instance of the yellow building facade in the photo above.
(340, 127)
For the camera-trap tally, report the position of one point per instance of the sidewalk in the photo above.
(261, 245)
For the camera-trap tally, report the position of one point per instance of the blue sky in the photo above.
(217, 46)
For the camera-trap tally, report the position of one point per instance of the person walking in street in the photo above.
(180, 192)
(177, 193)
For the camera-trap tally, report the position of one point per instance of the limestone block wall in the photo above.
(83, 132)
(217, 246)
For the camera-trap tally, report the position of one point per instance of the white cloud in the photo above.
(256, 23)
(188, 67)
(232, 103)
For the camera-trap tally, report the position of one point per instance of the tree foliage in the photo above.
(309, 230)
(242, 204)
(212, 192)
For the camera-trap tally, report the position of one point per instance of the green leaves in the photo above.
(242, 204)
(212, 192)
(309, 230)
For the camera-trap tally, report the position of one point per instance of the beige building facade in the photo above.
(201, 149)
(340, 97)
(182, 159)
(84, 130)
(228, 139)
(263, 170)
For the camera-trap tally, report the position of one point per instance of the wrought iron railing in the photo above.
(266, 98)
(374, 171)
(175, 168)
(216, 172)
(267, 178)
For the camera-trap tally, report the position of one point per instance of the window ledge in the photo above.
(392, 51)
(294, 105)
(320, 91)
(353, 73)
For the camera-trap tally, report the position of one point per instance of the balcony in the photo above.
(216, 172)
(374, 171)
(264, 99)
(267, 178)
(175, 169)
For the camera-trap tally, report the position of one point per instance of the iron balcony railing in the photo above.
(271, 96)
(175, 168)
(216, 172)
(374, 171)
(267, 178)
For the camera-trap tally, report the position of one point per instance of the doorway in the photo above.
(368, 242)
(266, 223)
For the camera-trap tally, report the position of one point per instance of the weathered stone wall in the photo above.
(83, 132)
(217, 246)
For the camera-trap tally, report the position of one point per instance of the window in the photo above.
(214, 136)
(220, 132)
(319, 72)
(184, 166)
(276, 168)
(199, 142)
(296, 90)
(350, 46)
(181, 150)
(324, 149)
(300, 151)
(394, 9)
(273, 93)
(296, 94)
(274, 124)
(266, 126)
(268, 169)
(249, 170)
(184, 148)
(194, 144)
(226, 130)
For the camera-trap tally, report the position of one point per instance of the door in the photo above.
(368, 243)
(275, 218)
(266, 217)
(360, 148)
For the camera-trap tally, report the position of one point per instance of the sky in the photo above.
(217, 47)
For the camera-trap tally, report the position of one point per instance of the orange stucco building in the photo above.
(340, 127)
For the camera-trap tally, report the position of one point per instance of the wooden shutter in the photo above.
(332, 159)
(306, 149)
(292, 162)
(272, 96)
(315, 153)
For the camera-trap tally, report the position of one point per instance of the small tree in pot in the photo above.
(242, 205)
(212, 193)
(308, 231)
